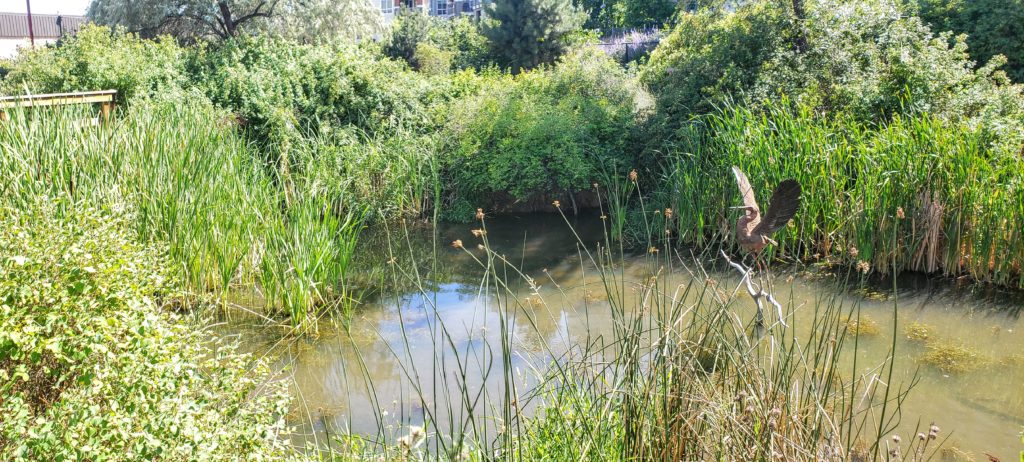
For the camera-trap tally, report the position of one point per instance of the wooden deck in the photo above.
(105, 98)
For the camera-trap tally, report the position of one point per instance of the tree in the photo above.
(195, 19)
(320, 20)
(526, 33)
(993, 27)
(185, 19)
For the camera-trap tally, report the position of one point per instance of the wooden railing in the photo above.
(105, 98)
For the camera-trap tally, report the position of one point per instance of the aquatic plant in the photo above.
(952, 356)
(919, 332)
(862, 325)
(957, 196)
(187, 180)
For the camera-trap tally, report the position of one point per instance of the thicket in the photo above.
(94, 365)
(543, 135)
(993, 28)
(867, 58)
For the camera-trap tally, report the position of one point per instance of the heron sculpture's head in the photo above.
(749, 212)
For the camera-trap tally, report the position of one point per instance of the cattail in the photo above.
(899, 213)
(633, 175)
(479, 214)
(457, 243)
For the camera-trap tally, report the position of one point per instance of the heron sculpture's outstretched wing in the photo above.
(745, 190)
(785, 202)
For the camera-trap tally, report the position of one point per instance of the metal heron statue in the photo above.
(754, 231)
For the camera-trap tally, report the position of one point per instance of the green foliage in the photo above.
(432, 60)
(552, 130)
(93, 368)
(98, 58)
(282, 91)
(864, 57)
(993, 27)
(609, 14)
(409, 29)
(459, 38)
(526, 33)
(462, 37)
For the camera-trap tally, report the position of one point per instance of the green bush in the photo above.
(282, 90)
(865, 57)
(993, 27)
(99, 58)
(551, 131)
(92, 365)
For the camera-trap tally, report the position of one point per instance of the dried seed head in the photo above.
(933, 432)
(633, 175)
(899, 213)
(652, 250)
(480, 246)
(921, 436)
(864, 267)
(478, 232)
(854, 252)
(557, 204)
(479, 214)
(668, 214)
(604, 217)
(896, 439)
(457, 243)
(595, 185)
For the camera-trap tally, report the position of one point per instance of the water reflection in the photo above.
(401, 351)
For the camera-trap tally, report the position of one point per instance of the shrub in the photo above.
(282, 90)
(552, 131)
(91, 365)
(993, 27)
(865, 57)
(99, 58)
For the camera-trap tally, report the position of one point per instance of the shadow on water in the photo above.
(357, 377)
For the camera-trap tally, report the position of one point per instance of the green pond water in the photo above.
(408, 342)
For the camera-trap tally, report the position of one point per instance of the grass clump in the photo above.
(93, 366)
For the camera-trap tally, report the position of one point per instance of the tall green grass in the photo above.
(916, 194)
(191, 183)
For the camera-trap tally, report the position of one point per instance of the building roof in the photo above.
(44, 26)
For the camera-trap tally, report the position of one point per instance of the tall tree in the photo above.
(526, 33)
(194, 19)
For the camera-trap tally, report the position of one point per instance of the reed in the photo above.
(190, 183)
(916, 194)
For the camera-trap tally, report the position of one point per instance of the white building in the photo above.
(446, 8)
(46, 28)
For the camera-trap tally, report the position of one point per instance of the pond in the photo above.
(439, 332)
